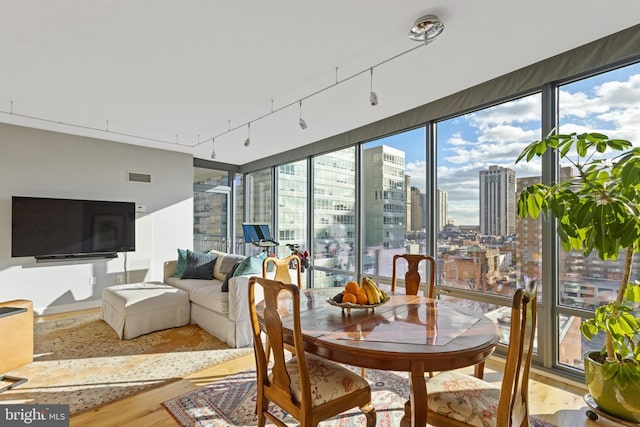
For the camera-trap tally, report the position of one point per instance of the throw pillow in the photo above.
(199, 265)
(182, 259)
(251, 265)
(229, 261)
(224, 263)
(230, 274)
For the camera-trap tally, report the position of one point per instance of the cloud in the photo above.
(418, 173)
(522, 110)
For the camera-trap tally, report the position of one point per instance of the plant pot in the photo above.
(622, 404)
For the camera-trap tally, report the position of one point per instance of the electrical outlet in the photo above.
(92, 280)
(119, 279)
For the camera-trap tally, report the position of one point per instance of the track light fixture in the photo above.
(426, 29)
(213, 148)
(247, 141)
(373, 97)
(302, 122)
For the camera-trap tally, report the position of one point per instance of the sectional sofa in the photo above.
(220, 304)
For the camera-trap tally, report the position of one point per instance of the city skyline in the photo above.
(466, 144)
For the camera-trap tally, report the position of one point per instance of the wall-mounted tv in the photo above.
(48, 228)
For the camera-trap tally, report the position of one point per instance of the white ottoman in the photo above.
(139, 308)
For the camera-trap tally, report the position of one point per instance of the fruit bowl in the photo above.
(349, 305)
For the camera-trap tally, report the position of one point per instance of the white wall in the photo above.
(48, 164)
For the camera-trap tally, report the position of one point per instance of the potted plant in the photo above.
(599, 209)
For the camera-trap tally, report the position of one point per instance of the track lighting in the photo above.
(247, 141)
(426, 29)
(302, 122)
(373, 97)
(213, 148)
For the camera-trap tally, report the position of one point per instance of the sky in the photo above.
(608, 103)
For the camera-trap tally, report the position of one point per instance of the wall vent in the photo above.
(139, 177)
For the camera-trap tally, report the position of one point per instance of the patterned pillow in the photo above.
(199, 265)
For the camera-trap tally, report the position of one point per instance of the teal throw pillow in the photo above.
(251, 265)
(199, 265)
(182, 259)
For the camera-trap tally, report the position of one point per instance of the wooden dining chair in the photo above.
(457, 399)
(282, 269)
(412, 277)
(308, 387)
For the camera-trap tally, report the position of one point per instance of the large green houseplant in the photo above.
(599, 209)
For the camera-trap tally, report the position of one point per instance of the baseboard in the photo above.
(56, 309)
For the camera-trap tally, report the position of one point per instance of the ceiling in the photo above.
(174, 74)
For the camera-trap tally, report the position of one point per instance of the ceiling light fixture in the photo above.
(247, 141)
(426, 29)
(373, 97)
(302, 123)
(213, 148)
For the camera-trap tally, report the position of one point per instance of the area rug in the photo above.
(231, 402)
(80, 361)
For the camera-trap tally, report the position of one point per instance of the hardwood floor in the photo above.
(145, 409)
(555, 402)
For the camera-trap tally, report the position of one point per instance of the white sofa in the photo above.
(223, 314)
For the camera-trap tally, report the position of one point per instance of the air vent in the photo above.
(139, 177)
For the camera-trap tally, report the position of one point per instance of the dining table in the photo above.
(409, 333)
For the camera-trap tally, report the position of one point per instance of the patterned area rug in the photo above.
(80, 361)
(231, 403)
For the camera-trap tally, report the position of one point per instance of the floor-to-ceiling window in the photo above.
(484, 247)
(608, 103)
(291, 233)
(393, 200)
(373, 198)
(238, 206)
(211, 209)
(334, 218)
(484, 251)
(259, 201)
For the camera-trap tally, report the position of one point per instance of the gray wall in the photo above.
(48, 164)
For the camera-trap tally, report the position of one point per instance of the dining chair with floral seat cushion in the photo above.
(412, 277)
(283, 269)
(307, 387)
(458, 399)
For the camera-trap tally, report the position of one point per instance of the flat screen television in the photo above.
(48, 228)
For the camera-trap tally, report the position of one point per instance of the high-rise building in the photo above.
(417, 211)
(529, 233)
(408, 210)
(443, 209)
(497, 201)
(384, 202)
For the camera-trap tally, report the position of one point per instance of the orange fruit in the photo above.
(362, 298)
(350, 298)
(352, 287)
